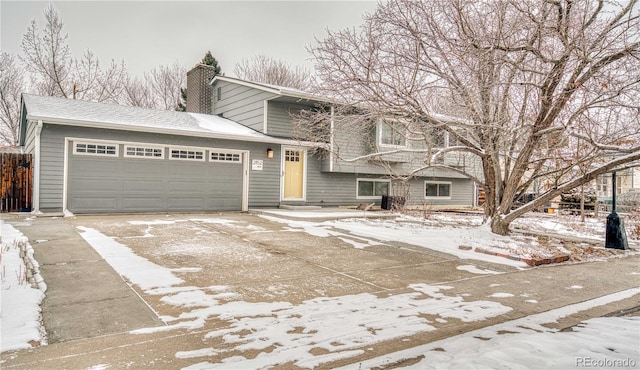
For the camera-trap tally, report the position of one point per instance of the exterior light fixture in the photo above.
(269, 153)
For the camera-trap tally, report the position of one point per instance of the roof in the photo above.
(64, 111)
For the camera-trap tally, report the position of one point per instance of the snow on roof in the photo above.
(88, 113)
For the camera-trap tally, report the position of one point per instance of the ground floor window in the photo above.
(372, 188)
(437, 189)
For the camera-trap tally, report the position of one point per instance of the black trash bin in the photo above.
(387, 202)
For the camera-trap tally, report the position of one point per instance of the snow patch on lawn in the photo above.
(20, 317)
(445, 239)
(526, 343)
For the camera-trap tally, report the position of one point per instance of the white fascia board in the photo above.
(156, 130)
(280, 91)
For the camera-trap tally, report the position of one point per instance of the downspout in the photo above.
(36, 171)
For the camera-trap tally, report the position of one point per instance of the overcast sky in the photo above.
(149, 33)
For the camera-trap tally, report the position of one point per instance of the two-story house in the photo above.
(236, 151)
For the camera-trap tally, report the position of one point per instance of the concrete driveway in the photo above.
(239, 257)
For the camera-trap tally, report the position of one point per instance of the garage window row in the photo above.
(157, 152)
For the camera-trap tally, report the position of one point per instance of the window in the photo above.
(292, 155)
(437, 189)
(220, 156)
(438, 137)
(391, 134)
(143, 151)
(219, 93)
(96, 149)
(187, 154)
(372, 189)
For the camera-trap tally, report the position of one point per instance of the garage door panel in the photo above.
(144, 168)
(95, 185)
(224, 203)
(186, 203)
(143, 186)
(94, 204)
(186, 187)
(143, 204)
(189, 170)
(105, 167)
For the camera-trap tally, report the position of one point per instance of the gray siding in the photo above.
(30, 137)
(239, 103)
(51, 168)
(280, 120)
(336, 189)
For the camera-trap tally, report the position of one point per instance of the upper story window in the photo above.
(110, 150)
(391, 134)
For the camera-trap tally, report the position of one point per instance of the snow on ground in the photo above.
(20, 319)
(604, 343)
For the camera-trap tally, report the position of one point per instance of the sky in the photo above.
(146, 34)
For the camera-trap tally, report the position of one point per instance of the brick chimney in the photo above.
(199, 91)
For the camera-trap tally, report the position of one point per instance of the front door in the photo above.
(293, 174)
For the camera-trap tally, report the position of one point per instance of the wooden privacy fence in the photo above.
(15, 182)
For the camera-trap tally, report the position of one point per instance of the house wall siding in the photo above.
(336, 189)
(280, 120)
(241, 104)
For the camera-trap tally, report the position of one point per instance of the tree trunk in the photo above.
(499, 226)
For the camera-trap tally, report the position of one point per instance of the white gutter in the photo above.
(35, 200)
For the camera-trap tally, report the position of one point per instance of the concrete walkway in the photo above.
(85, 297)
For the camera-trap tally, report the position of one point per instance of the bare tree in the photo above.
(137, 93)
(47, 57)
(11, 86)
(53, 70)
(268, 70)
(164, 83)
(520, 81)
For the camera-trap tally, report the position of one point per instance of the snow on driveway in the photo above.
(340, 326)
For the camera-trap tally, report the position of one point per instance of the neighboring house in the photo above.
(626, 180)
(93, 157)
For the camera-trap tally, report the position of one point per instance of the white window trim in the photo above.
(424, 190)
(88, 142)
(126, 155)
(370, 180)
(379, 136)
(225, 151)
(188, 149)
